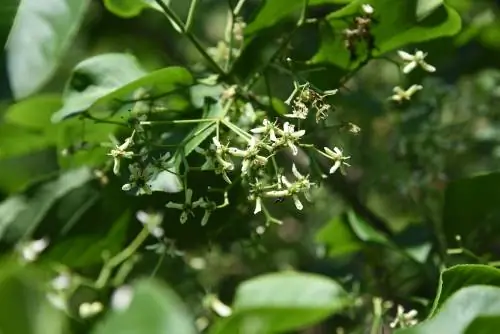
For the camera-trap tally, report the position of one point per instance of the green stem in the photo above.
(180, 121)
(119, 258)
(192, 38)
(189, 20)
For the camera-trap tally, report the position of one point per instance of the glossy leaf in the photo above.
(273, 12)
(364, 231)
(24, 308)
(460, 276)
(97, 77)
(16, 141)
(338, 238)
(154, 309)
(87, 250)
(129, 8)
(40, 35)
(20, 215)
(110, 88)
(398, 25)
(7, 14)
(283, 302)
(460, 311)
(33, 113)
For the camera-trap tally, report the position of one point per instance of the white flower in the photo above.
(289, 136)
(61, 282)
(338, 157)
(186, 207)
(121, 298)
(152, 222)
(208, 206)
(30, 250)
(367, 9)
(267, 128)
(218, 307)
(87, 310)
(258, 205)
(400, 94)
(120, 152)
(404, 319)
(299, 110)
(139, 178)
(413, 60)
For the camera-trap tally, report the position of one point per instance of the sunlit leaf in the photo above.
(41, 33)
(24, 308)
(129, 8)
(154, 309)
(460, 311)
(460, 276)
(94, 78)
(282, 302)
(397, 26)
(20, 215)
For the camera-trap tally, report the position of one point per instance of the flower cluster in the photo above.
(411, 61)
(360, 31)
(303, 99)
(404, 319)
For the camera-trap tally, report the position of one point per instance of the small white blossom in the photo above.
(121, 298)
(152, 222)
(186, 207)
(218, 307)
(400, 94)
(412, 61)
(403, 319)
(338, 157)
(208, 206)
(289, 136)
(61, 282)
(258, 205)
(299, 110)
(139, 178)
(121, 152)
(31, 249)
(267, 128)
(87, 310)
(367, 9)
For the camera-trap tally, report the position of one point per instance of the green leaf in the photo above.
(484, 325)
(426, 7)
(338, 238)
(87, 250)
(27, 127)
(24, 308)
(20, 215)
(94, 78)
(364, 231)
(16, 141)
(480, 194)
(129, 8)
(157, 83)
(460, 311)
(99, 83)
(33, 113)
(398, 25)
(460, 276)
(273, 12)
(7, 14)
(283, 302)
(40, 35)
(155, 309)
